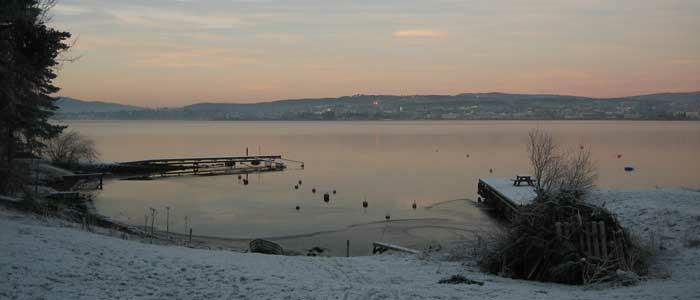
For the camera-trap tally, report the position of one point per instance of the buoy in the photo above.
(490, 170)
(239, 177)
(414, 205)
(313, 190)
(245, 181)
(326, 197)
(629, 169)
(581, 147)
(619, 156)
(467, 155)
(334, 192)
(387, 217)
(299, 182)
(365, 204)
(296, 187)
(302, 166)
(297, 208)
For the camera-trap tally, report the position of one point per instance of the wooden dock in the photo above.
(206, 166)
(505, 198)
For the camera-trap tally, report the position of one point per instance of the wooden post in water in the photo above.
(347, 248)
(167, 220)
(190, 242)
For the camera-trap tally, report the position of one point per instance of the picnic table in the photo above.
(523, 178)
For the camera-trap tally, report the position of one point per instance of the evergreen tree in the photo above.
(29, 55)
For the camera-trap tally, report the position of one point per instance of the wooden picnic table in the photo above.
(523, 178)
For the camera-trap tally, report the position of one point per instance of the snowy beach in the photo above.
(51, 259)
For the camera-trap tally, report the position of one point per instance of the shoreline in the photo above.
(45, 257)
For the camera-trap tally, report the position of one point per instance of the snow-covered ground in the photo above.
(49, 259)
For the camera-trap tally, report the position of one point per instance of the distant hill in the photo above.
(467, 106)
(74, 106)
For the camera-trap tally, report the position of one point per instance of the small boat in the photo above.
(265, 247)
(629, 169)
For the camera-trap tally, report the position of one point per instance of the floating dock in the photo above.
(206, 166)
(501, 195)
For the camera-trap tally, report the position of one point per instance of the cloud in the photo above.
(70, 10)
(158, 18)
(418, 33)
(194, 58)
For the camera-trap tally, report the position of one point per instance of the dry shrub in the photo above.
(71, 148)
(556, 169)
(532, 249)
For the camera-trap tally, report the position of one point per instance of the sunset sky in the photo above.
(171, 53)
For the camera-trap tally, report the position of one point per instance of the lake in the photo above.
(391, 164)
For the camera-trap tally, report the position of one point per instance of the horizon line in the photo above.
(381, 95)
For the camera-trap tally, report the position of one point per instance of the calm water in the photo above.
(392, 164)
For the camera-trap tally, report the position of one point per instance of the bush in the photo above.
(71, 148)
(548, 240)
(533, 249)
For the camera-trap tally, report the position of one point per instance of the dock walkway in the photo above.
(502, 195)
(218, 165)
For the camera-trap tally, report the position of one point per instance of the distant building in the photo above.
(692, 114)
(449, 116)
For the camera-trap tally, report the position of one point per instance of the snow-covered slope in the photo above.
(45, 259)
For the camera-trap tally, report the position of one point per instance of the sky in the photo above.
(160, 53)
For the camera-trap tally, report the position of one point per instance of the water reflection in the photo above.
(392, 164)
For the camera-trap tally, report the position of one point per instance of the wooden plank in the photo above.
(587, 231)
(394, 247)
(619, 244)
(595, 237)
(581, 243)
(603, 239)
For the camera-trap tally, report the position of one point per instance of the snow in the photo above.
(520, 195)
(50, 259)
(670, 215)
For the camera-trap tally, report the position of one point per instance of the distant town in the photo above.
(471, 106)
